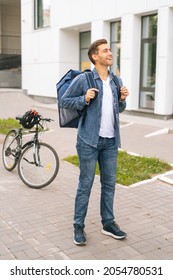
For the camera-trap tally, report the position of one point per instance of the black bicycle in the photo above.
(38, 162)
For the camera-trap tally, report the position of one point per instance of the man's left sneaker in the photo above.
(114, 231)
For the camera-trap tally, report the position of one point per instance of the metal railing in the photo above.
(10, 52)
(10, 44)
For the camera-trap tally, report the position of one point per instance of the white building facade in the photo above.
(57, 33)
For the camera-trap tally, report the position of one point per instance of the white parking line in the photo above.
(127, 124)
(158, 132)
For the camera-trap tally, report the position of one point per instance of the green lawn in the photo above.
(7, 124)
(132, 169)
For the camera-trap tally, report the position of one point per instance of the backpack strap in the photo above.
(92, 84)
(116, 81)
(90, 78)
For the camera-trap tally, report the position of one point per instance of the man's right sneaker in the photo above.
(114, 231)
(79, 236)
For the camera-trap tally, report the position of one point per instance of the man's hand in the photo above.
(90, 94)
(124, 93)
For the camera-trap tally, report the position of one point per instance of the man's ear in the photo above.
(94, 57)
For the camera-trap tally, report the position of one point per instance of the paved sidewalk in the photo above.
(37, 224)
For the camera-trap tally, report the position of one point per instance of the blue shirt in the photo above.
(74, 98)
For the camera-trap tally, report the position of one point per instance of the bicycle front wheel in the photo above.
(10, 150)
(38, 165)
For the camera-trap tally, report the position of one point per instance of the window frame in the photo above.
(88, 62)
(148, 89)
(39, 15)
(115, 42)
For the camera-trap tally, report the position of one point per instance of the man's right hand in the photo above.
(90, 94)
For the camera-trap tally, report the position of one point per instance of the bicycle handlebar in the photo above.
(46, 119)
(41, 119)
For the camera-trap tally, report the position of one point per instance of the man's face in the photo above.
(104, 55)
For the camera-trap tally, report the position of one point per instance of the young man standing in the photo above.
(98, 139)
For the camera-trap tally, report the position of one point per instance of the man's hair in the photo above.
(93, 49)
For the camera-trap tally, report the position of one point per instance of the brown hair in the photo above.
(93, 49)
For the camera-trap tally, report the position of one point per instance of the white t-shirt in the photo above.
(107, 119)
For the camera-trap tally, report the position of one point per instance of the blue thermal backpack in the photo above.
(70, 117)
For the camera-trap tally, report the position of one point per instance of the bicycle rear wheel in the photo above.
(10, 151)
(38, 165)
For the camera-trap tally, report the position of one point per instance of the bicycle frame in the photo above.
(36, 146)
(20, 147)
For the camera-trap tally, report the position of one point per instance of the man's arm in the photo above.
(74, 97)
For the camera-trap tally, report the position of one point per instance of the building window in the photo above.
(148, 62)
(115, 44)
(41, 13)
(85, 41)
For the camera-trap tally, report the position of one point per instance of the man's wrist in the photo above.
(121, 100)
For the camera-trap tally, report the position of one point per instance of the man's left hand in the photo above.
(124, 93)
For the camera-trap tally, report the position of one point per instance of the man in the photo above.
(98, 139)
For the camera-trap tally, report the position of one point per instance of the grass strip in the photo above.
(132, 169)
(7, 124)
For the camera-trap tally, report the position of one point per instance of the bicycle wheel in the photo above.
(38, 165)
(10, 150)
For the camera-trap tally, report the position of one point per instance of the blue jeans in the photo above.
(106, 155)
